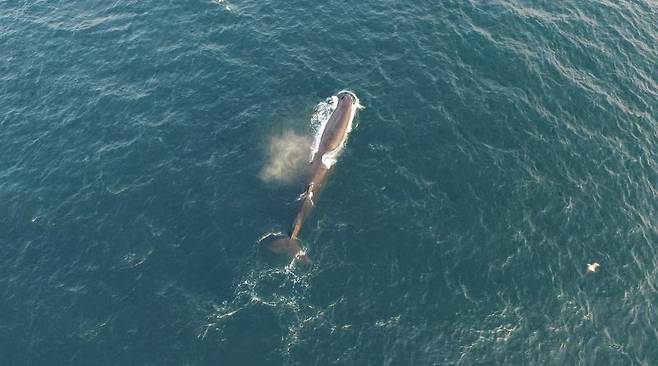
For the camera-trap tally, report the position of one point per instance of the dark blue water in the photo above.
(504, 146)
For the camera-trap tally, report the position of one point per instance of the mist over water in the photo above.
(289, 153)
(287, 157)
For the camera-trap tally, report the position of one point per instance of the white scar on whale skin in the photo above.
(320, 118)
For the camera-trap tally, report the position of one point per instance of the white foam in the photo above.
(319, 120)
(225, 4)
(357, 102)
(278, 233)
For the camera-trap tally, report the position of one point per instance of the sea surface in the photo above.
(504, 145)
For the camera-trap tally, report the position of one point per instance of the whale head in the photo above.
(346, 97)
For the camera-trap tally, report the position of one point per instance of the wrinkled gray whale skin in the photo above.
(334, 134)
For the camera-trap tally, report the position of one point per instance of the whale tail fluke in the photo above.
(289, 246)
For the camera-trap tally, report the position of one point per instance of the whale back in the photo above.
(336, 129)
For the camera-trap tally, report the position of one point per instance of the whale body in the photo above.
(334, 136)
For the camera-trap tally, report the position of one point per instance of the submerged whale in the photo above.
(332, 139)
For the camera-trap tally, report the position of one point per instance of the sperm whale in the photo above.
(333, 138)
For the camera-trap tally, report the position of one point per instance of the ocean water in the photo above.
(505, 144)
